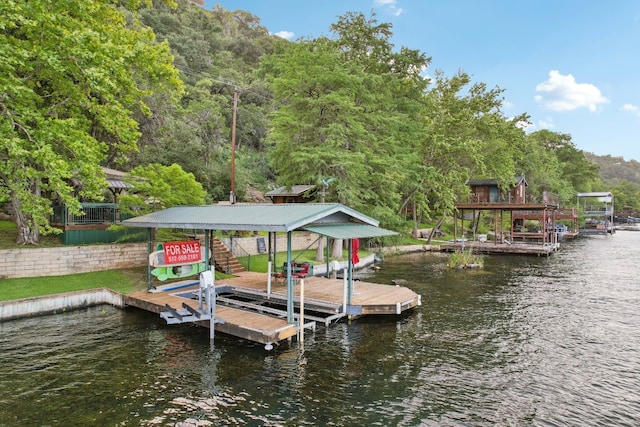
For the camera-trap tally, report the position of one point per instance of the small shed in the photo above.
(489, 190)
(484, 190)
(518, 192)
(293, 194)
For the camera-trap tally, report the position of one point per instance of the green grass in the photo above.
(9, 234)
(123, 281)
(259, 263)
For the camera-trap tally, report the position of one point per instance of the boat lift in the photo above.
(206, 306)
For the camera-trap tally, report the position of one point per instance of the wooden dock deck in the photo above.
(244, 308)
(514, 248)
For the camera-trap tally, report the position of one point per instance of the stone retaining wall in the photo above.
(58, 261)
(39, 262)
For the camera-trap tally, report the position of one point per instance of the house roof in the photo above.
(520, 179)
(295, 190)
(263, 217)
(482, 181)
(477, 182)
(115, 178)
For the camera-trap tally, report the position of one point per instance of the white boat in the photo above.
(629, 227)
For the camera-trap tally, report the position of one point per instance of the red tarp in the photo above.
(355, 246)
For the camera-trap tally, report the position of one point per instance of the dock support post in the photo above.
(269, 278)
(301, 318)
(207, 282)
(290, 284)
(344, 291)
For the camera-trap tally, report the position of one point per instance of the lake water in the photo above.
(525, 341)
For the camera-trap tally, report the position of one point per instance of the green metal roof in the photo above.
(350, 231)
(252, 217)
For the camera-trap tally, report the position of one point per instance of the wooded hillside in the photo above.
(212, 94)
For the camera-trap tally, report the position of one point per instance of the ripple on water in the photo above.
(526, 341)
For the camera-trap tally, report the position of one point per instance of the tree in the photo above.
(575, 172)
(160, 187)
(72, 75)
(465, 135)
(344, 113)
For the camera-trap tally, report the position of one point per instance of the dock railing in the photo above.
(242, 255)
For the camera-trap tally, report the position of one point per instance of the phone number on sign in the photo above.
(183, 258)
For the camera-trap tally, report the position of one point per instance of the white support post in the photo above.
(207, 281)
(344, 292)
(211, 304)
(269, 278)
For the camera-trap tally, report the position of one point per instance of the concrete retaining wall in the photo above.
(39, 262)
(52, 304)
(243, 246)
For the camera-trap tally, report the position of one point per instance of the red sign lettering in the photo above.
(182, 252)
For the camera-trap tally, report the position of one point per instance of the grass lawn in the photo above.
(9, 234)
(123, 281)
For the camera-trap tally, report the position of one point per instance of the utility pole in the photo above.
(232, 195)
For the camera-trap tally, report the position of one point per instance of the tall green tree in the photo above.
(345, 109)
(575, 172)
(216, 52)
(465, 136)
(72, 76)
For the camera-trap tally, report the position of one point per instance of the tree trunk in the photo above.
(336, 251)
(435, 229)
(415, 220)
(27, 234)
(320, 251)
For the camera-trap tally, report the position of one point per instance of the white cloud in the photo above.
(563, 93)
(632, 109)
(287, 35)
(546, 123)
(390, 5)
(525, 125)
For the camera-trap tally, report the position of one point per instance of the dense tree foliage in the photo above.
(160, 187)
(72, 76)
(347, 109)
(216, 52)
(622, 178)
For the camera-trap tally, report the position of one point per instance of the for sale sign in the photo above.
(182, 252)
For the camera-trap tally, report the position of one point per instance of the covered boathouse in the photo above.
(254, 306)
(489, 195)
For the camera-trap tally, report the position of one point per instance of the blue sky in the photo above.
(572, 65)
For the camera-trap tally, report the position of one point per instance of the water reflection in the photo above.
(525, 341)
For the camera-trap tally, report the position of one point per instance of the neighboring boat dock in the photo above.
(492, 248)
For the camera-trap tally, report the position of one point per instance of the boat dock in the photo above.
(513, 248)
(247, 309)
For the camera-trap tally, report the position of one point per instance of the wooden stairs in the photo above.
(224, 259)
